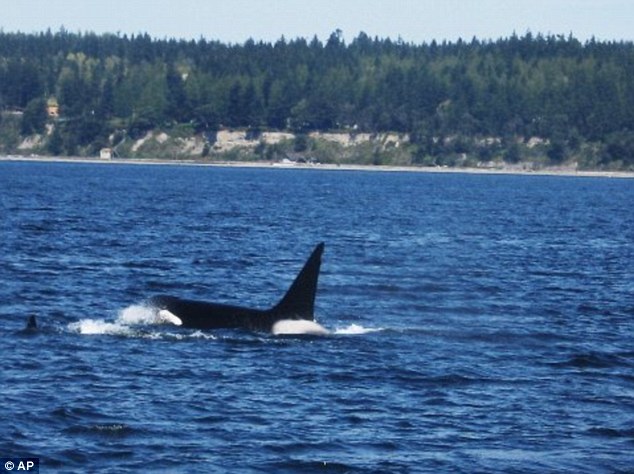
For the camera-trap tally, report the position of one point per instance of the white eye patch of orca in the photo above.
(166, 316)
(298, 326)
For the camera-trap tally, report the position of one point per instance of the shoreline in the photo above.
(505, 170)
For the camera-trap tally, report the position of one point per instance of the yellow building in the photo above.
(52, 107)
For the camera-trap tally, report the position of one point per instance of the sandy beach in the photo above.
(503, 170)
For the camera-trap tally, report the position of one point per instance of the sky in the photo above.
(235, 21)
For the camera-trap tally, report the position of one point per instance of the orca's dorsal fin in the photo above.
(31, 323)
(299, 300)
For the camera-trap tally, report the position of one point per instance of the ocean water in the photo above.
(479, 324)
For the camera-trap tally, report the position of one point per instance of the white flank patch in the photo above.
(298, 326)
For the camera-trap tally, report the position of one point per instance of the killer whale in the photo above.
(31, 323)
(297, 305)
(31, 328)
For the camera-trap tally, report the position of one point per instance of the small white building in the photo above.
(105, 154)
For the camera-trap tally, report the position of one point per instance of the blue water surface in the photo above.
(480, 323)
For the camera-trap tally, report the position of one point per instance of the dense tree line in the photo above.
(444, 95)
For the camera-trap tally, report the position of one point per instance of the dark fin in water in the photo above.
(31, 323)
(299, 301)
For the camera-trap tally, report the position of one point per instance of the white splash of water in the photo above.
(138, 314)
(99, 326)
(202, 335)
(128, 321)
(125, 323)
(355, 329)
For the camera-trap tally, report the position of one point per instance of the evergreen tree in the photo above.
(34, 117)
(457, 93)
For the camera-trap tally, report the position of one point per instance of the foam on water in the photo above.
(124, 325)
(355, 329)
(138, 314)
(99, 326)
(128, 323)
(202, 335)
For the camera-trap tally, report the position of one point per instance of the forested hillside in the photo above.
(468, 100)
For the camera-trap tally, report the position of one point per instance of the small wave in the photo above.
(310, 466)
(355, 329)
(111, 429)
(202, 335)
(612, 432)
(593, 360)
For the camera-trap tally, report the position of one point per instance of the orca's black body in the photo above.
(297, 304)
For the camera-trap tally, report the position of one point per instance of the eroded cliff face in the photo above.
(266, 145)
(242, 144)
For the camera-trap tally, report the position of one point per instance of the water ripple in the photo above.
(477, 323)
